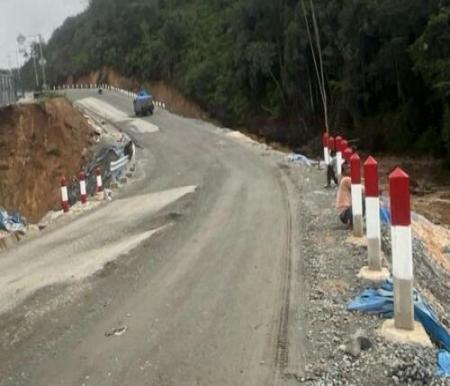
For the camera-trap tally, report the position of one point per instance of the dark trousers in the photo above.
(331, 175)
(347, 216)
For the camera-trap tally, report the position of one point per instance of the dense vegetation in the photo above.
(249, 62)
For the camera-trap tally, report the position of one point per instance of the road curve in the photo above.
(204, 300)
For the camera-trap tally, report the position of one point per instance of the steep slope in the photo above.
(38, 144)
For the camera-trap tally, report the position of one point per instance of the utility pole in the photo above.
(43, 63)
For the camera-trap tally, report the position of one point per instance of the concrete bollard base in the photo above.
(375, 276)
(374, 253)
(359, 241)
(358, 227)
(403, 303)
(100, 196)
(416, 336)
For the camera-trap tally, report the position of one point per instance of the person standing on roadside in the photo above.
(344, 197)
(332, 170)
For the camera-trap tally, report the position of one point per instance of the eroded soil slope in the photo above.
(38, 144)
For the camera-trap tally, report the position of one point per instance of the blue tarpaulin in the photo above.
(444, 363)
(381, 301)
(11, 222)
(142, 95)
(299, 158)
(385, 216)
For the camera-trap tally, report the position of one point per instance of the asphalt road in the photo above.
(199, 253)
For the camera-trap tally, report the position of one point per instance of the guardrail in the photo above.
(7, 90)
(128, 93)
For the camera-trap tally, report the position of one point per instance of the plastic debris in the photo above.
(13, 222)
(299, 158)
(381, 301)
(117, 331)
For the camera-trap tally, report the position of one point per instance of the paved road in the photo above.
(199, 272)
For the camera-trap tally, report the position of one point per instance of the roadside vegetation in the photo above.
(382, 66)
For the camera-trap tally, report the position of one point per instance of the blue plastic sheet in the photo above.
(299, 158)
(143, 95)
(385, 216)
(12, 222)
(444, 364)
(381, 301)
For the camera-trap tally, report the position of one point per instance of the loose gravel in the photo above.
(345, 348)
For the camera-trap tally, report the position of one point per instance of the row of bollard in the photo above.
(65, 204)
(401, 237)
(106, 87)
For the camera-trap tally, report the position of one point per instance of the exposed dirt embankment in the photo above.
(162, 91)
(38, 144)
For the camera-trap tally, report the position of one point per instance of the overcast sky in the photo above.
(31, 17)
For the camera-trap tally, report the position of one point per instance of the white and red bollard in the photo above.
(98, 174)
(347, 154)
(338, 143)
(402, 261)
(326, 154)
(357, 208)
(83, 192)
(373, 227)
(331, 145)
(64, 195)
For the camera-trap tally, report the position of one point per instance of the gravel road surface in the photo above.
(184, 279)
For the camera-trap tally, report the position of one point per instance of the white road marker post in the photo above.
(374, 271)
(357, 208)
(402, 262)
(403, 328)
(64, 195)
(339, 149)
(98, 174)
(83, 193)
(326, 154)
(373, 227)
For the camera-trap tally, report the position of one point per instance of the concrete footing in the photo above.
(376, 276)
(403, 303)
(374, 253)
(360, 241)
(416, 336)
(358, 227)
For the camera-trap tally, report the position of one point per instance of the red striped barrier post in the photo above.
(331, 144)
(402, 262)
(373, 230)
(98, 174)
(357, 210)
(338, 143)
(64, 195)
(326, 154)
(347, 154)
(83, 193)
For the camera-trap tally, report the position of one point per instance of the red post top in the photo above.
(347, 154)
(82, 176)
(325, 139)
(98, 172)
(338, 143)
(355, 168)
(400, 199)
(371, 177)
(344, 145)
(63, 181)
(331, 143)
